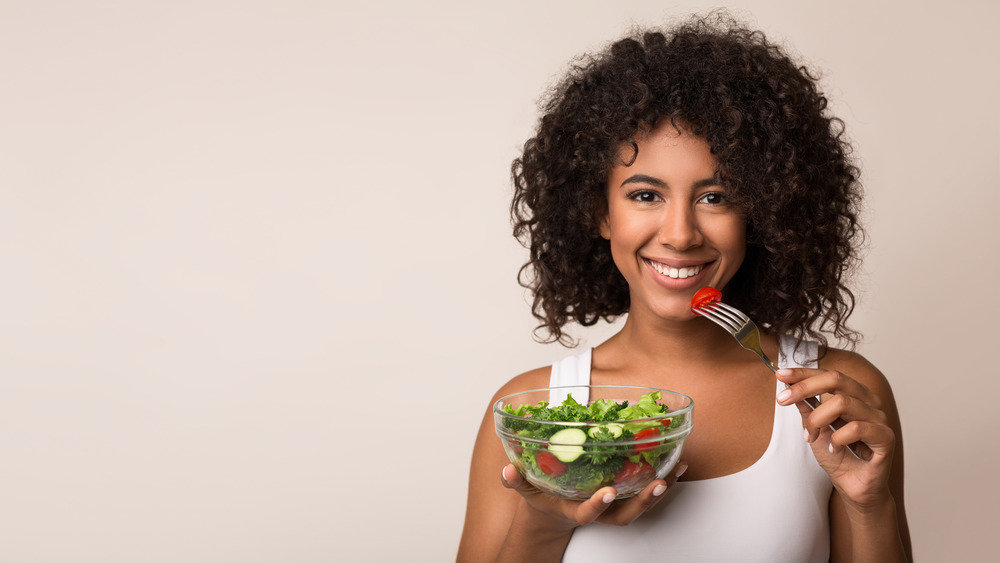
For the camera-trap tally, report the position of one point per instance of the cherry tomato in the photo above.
(549, 464)
(704, 296)
(634, 473)
(516, 446)
(644, 434)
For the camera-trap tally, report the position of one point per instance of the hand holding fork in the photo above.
(706, 303)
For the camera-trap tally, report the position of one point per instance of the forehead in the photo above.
(668, 149)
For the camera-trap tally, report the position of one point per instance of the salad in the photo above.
(612, 443)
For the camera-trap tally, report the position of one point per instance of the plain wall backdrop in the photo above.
(258, 282)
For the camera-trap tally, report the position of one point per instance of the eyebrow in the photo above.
(644, 179)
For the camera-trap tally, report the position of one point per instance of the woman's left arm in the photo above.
(867, 515)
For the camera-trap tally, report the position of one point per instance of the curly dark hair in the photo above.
(785, 160)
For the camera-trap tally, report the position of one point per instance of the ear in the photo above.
(605, 226)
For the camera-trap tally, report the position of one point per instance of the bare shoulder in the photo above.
(857, 367)
(533, 379)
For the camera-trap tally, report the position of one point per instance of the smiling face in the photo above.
(671, 228)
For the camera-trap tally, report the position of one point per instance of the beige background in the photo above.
(258, 283)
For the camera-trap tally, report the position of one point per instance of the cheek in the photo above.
(625, 237)
(739, 236)
(737, 240)
(631, 232)
(729, 235)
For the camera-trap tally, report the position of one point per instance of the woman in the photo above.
(701, 156)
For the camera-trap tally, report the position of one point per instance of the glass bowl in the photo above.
(575, 458)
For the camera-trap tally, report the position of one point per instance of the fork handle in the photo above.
(813, 403)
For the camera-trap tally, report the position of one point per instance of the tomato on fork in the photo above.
(705, 296)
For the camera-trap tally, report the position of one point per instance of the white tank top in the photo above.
(774, 511)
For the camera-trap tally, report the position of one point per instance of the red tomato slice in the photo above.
(704, 296)
(516, 446)
(634, 472)
(644, 434)
(549, 464)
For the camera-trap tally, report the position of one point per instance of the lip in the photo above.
(678, 283)
(678, 263)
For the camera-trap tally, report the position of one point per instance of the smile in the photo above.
(676, 273)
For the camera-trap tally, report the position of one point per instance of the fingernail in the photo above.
(680, 470)
(831, 447)
(784, 372)
(659, 490)
(784, 395)
(805, 434)
(608, 498)
(503, 475)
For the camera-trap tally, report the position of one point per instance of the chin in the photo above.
(675, 313)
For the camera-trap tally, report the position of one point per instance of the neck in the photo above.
(696, 341)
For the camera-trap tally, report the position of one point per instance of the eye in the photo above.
(644, 196)
(713, 198)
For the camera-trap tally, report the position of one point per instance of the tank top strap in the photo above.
(568, 374)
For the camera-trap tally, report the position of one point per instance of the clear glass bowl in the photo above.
(626, 454)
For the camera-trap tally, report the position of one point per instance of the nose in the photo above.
(679, 228)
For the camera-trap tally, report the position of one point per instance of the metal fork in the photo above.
(746, 333)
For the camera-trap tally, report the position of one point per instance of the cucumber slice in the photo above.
(569, 437)
(566, 444)
(614, 428)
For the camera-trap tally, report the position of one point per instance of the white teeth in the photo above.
(676, 273)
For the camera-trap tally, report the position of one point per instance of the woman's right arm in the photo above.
(507, 519)
(496, 518)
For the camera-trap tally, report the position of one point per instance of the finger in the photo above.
(626, 511)
(589, 510)
(863, 433)
(809, 382)
(841, 409)
(813, 427)
(681, 468)
(878, 438)
(510, 477)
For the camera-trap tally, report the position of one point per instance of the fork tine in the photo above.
(738, 320)
(716, 309)
(721, 322)
(733, 311)
(713, 314)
